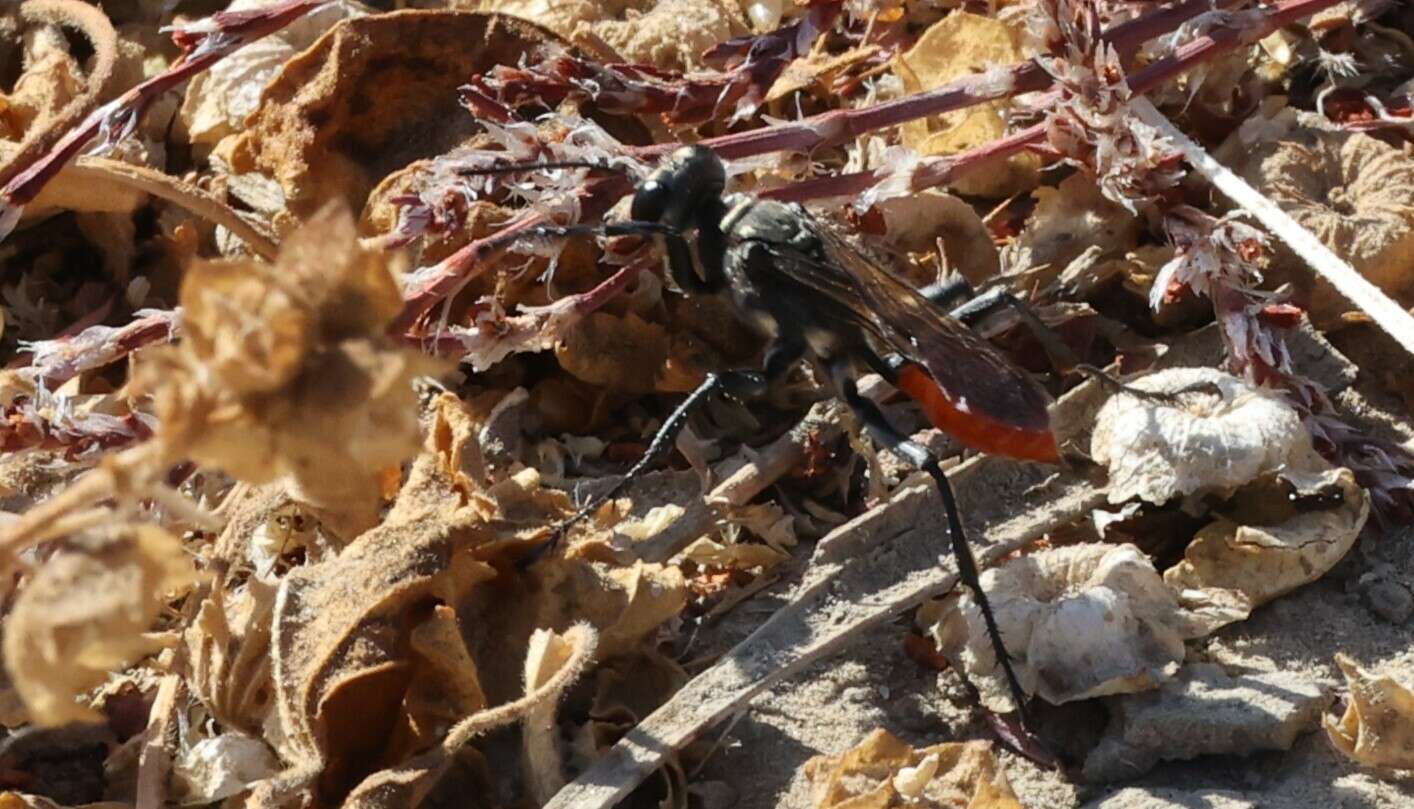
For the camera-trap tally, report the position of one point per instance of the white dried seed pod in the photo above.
(1079, 621)
(1157, 450)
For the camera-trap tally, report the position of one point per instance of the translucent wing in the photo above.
(966, 386)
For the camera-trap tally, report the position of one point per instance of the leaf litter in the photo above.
(286, 405)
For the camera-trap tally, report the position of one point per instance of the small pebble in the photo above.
(1388, 599)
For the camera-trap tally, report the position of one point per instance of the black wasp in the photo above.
(812, 296)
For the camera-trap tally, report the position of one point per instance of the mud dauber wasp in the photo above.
(813, 296)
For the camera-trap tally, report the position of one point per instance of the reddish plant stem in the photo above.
(829, 128)
(942, 170)
(452, 272)
(98, 346)
(841, 126)
(207, 42)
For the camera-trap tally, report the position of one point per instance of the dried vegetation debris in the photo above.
(1354, 191)
(275, 562)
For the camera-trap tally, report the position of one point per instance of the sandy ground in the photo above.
(832, 705)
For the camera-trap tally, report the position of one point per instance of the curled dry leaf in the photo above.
(85, 612)
(1377, 728)
(1080, 621)
(883, 771)
(557, 660)
(1069, 219)
(1251, 555)
(351, 637)
(916, 222)
(1157, 451)
(960, 44)
(218, 101)
(1354, 192)
(369, 97)
(284, 365)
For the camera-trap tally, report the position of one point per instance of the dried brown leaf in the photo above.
(883, 772)
(1353, 192)
(369, 97)
(960, 44)
(85, 612)
(1377, 729)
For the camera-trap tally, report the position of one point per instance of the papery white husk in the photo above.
(1080, 621)
(1158, 451)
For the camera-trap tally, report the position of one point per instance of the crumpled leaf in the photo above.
(1377, 728)
(556, 661)
(620, 353)
(883, 771)
(1080, 621)
(84, 613)
(1353, 192)
(917, 221)
(286, 373)
(957, 45)
(1251, 556)
(369, 97)
(1068, 220)
(218, 100)
(218, 767)
(1159, 451)
(348, 661)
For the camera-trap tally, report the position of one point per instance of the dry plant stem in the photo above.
(821, 426)
(182, 194)
(98, 30)
(841, 126)
(1183, 59)
(451, 273)
(154, 763)
(207, 42)
(1387, 314)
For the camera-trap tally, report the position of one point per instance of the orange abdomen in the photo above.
(976, 430)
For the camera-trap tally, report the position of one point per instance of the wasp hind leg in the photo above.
(922, 458)
(1062, 357)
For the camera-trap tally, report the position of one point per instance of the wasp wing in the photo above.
(970, 389)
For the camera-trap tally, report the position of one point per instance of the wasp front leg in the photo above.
(745, 384)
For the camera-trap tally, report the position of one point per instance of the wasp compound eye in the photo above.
(650, 202)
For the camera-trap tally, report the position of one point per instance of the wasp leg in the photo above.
(746, 384)
(1064, 360)
(975, 310)
(950, 293)
(923, 458)
(658, 447)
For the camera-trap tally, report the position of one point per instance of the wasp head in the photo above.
(670, 195)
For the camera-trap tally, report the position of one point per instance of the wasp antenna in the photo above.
(511, 168)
